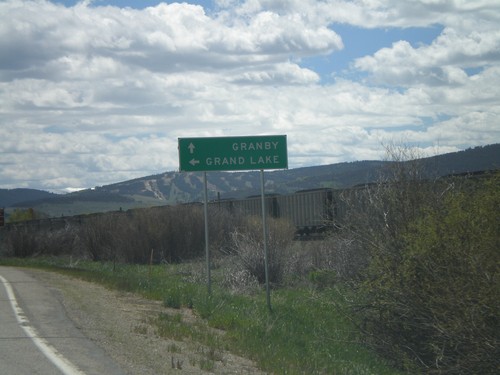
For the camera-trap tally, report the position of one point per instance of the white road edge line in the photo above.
(50, 352)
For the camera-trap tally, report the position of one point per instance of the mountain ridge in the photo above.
(175, 188)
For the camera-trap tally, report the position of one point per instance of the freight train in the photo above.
(311, 211)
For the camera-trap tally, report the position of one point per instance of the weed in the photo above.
(207, 364)
(140, 329)
(173, 300)
(323, 278)
(174, 348)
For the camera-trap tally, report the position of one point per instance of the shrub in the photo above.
(248, 248)
(431, 288)
(154, 235)
(96, 235)
(341, 255)
(450, 273)
(149, 235)
(323, 278)
(20, 243)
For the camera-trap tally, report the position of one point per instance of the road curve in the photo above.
(36, 337)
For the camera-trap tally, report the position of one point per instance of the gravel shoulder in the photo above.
(120, 323)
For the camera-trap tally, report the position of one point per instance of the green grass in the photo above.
(307, 331)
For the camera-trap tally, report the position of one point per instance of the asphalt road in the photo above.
(36, 337)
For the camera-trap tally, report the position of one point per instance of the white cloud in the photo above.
(441, 63)
(281, 73)
(93, 95)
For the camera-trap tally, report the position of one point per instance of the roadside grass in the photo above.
(307, 331)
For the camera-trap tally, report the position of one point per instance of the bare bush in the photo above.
(248, 246)
(341, 255)
(96, 235)
(166, 234)
(20, 242)
(160, 234)
(221, 224)
(62, 241)
(24, 241)
(239, 280)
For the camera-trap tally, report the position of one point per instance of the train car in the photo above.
(46, 224)
(251, 206)
(311, 211)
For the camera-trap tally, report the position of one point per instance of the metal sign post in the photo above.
(234, 154)
(207, 248)
(264, 233)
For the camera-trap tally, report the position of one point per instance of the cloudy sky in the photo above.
(96, 92)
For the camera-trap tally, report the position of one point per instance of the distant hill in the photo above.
(11, 197)
(175, 187)
(471, 160)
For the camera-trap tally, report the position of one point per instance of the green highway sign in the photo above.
(233, 153)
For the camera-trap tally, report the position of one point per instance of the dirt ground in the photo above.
(120, 324)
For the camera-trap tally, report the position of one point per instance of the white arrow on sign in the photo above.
(191, 148)
(193, 162)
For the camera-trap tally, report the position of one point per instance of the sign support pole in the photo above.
(207, 247)
(264, 232)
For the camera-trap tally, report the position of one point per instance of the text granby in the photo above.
(254, 146)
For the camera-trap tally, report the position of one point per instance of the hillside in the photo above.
(11, 197)
(174, 187)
